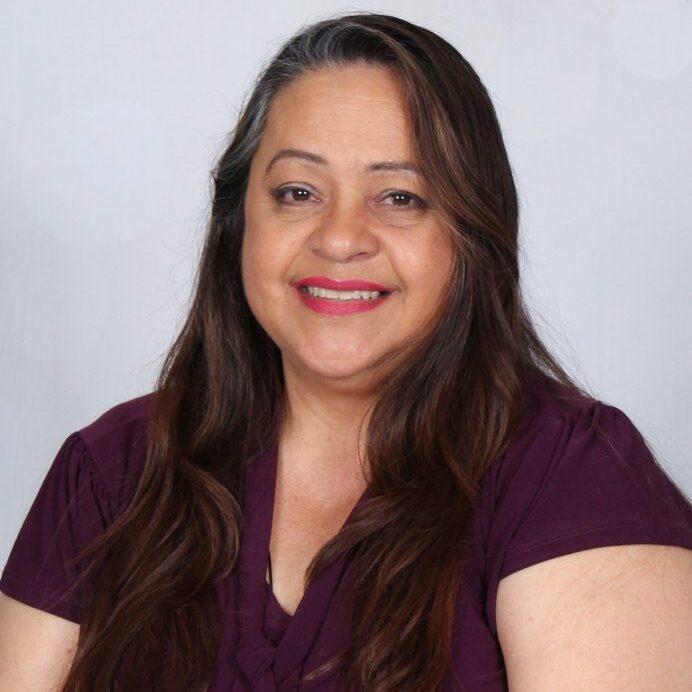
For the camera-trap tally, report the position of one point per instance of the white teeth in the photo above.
(342, 295)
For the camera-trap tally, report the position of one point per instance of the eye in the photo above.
(405, 200)
(291, 195)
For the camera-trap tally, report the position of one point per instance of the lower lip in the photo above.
(326, 306)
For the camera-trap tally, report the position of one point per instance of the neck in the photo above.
(325, 422)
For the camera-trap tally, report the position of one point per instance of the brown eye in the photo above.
(291, 195)
(406, 200)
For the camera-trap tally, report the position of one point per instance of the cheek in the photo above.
(254, 278)
(427, 266)
(254, 269)
(258, 251)
(443, 252)
(257, 243)
(266, 262)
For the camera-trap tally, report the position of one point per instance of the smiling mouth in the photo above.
(340, 304)
(341, 296)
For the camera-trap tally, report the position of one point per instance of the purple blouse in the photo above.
(576, 475)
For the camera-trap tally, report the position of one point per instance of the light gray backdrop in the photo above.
(114, 112)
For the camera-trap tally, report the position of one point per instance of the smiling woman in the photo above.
(346, 205)
(360, 467)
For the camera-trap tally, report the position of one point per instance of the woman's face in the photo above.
(334, 199)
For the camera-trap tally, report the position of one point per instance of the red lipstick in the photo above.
(335, 307)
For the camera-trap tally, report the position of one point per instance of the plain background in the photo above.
(113, 114)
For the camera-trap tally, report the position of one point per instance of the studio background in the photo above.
(113, 115)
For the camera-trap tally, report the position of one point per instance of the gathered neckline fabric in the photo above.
(274, 645)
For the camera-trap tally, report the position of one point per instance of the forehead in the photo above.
(356, 109)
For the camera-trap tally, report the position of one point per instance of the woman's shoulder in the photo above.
(578, 473)
(87, 485)
(120, 425)
(559, 415)
(115, 442)
(546, 399)
(574, 441)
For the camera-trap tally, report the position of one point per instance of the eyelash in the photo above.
(418, 202)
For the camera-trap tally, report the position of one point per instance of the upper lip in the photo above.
(341, 285)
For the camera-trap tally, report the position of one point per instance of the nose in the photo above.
(343, 231)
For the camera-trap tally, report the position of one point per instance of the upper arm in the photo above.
(609, 618)
(36, 647)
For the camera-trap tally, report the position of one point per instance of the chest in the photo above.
(300, 527)
(315, 625)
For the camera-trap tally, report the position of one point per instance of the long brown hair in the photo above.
(441, 419)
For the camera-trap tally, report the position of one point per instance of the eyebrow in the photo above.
(303, 155)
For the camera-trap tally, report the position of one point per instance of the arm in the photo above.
(605, 619)
(36, 648)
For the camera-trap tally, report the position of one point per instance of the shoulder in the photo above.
(115, 442)
(587, 540)
(546, 397)
(576, 475)
(549, 404)
(119, 425)
(572, 440)
(88, 484)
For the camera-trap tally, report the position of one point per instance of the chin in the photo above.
(355, 362)
(337, 370)
(334, 366)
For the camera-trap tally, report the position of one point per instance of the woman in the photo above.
(360, 468)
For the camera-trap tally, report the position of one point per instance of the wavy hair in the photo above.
(438, 423)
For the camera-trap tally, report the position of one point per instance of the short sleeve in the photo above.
(69, 511)
(583, 480)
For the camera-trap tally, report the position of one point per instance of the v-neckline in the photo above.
(268, 512)
(257, 652)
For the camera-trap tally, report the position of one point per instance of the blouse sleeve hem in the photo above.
(597, 537)
(36, 596)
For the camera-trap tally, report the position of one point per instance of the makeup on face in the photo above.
(340, 297)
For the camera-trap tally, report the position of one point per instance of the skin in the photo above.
(346, 223)
(36, 648)
(606, 619)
